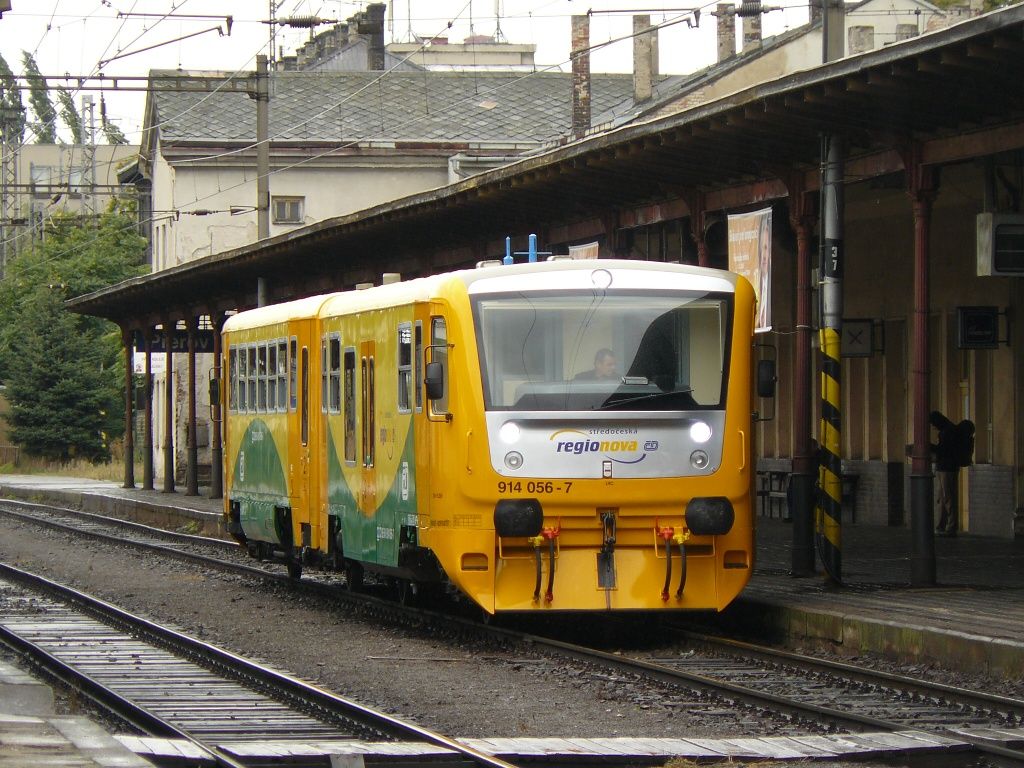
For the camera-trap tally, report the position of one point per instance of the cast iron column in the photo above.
(169, 406)
(216, 411)
(147, 417)
(805, 460)
(921, 187)
(129, 402)
(191, 469)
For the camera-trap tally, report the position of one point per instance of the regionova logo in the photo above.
(619, 444)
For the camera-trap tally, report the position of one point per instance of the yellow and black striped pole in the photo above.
(829, 523)
(830, 475)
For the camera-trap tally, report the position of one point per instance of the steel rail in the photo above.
(651, 670)
(240, 667)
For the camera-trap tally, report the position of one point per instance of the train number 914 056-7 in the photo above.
(533, 486)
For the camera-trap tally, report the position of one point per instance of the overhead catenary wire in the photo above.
(345, 145)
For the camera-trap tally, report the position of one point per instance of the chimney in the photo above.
(726, 14)
(580, 75)
(644, 58)
(752, 30)
(371, 24)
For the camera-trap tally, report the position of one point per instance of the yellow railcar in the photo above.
(564, 435)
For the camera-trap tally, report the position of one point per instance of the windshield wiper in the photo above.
(629, 399)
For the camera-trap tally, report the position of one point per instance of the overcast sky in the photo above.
(82, 37)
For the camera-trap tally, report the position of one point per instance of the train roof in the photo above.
(518, 277)
(512, 277)
(276, 313)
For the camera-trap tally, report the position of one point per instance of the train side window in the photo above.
(439, 354)
(243, 373)
(250, 379)
(350, 405)
(272, 377)
(404, 367)
(293, 373)
(304, 384)
(418, 362)
(233, 379)
(261, 373)
(334, 384)
(282, 375)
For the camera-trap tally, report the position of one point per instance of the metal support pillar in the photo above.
(262, 148)
(191, 447)
(169, 407)
(216, 449)
(922, 189)
(147, 429)
(129, 408)
(805, 459)
(831, 458)
(698, 226)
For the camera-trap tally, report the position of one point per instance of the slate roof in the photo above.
(472, 107)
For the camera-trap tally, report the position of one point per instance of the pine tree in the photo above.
(39, 98)
(61, 394)
(64, 372)
(70, 115)
(10, 101)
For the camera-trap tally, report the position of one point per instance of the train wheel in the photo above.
(353, 576)
(406, 591)
(294, 569)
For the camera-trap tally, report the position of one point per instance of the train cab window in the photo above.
(334, 379)
(405, 368)
(293, 373)
(271, 377)
(439, 354)
(418, 361)
(250, 379)
(233, 379)
(282, 376)
(350, 404)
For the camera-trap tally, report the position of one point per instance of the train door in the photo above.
(438, 419)
(303, 438)
(368, 422)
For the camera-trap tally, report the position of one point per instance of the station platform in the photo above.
(972, 620)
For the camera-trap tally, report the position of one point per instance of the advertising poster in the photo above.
(750, 255)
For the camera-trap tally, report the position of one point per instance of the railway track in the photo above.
(169, 685)
(833, 697)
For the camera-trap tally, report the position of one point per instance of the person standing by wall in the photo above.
(946, 467)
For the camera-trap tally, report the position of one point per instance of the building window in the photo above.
(288, 210)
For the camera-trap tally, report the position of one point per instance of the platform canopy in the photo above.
(948, 96)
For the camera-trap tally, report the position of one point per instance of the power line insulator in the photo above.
(749, 8)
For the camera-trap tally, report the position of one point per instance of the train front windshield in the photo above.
(638, 351)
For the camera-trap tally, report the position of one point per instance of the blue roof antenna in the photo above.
(531, 254)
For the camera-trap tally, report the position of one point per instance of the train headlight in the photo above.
(513, 459)
(700, 432)
(509, 432)
(698, 459)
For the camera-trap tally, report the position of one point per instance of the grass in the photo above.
(112, 471)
